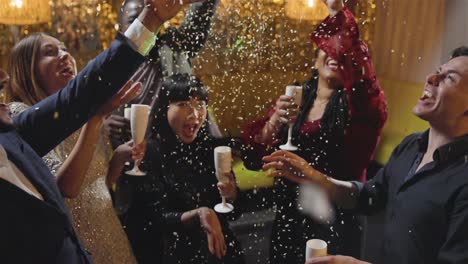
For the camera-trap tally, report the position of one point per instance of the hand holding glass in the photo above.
(296, 93)
(222, 160)
(139, 115)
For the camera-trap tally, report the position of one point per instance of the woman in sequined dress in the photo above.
(80, 162)
(336, 130)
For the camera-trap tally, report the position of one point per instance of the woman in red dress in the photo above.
(336, 129)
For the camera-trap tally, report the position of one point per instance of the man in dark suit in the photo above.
(424, 185)
(35, 226)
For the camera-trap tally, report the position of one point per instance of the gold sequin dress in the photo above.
(94, 217)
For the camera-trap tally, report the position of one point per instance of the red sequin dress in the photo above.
(340, 153)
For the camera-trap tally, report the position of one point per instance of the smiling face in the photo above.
(328, 69)
(55, 66)
(186, 118)
(445, 95)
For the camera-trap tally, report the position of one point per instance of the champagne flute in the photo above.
(138, 123)
(296, 93)
(222, 160)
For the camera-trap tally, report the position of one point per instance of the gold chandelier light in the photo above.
(24, 12)
(311, 10)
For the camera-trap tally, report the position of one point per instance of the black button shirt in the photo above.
(426, 210)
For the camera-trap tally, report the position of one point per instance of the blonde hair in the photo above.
(23, 85)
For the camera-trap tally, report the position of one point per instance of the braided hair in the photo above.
(335, 116)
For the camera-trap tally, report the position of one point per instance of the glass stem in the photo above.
(290, 134)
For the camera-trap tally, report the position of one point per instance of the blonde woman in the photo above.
(40, 66)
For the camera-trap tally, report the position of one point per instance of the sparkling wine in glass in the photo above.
(296, 93)
(222, 160)
(139, 115)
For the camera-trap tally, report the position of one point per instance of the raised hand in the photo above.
(157, 12)
(334, 6)
(212, 227)
(123, 96)
(286, 111)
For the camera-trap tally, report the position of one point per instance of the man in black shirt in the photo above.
(423, 187)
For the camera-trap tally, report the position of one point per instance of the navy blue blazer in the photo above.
(32, 231)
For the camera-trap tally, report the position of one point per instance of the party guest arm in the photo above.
(71, 173)
(50, 121)
(366, 198)
(194, 31)
(338, 36)
(68, 109)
